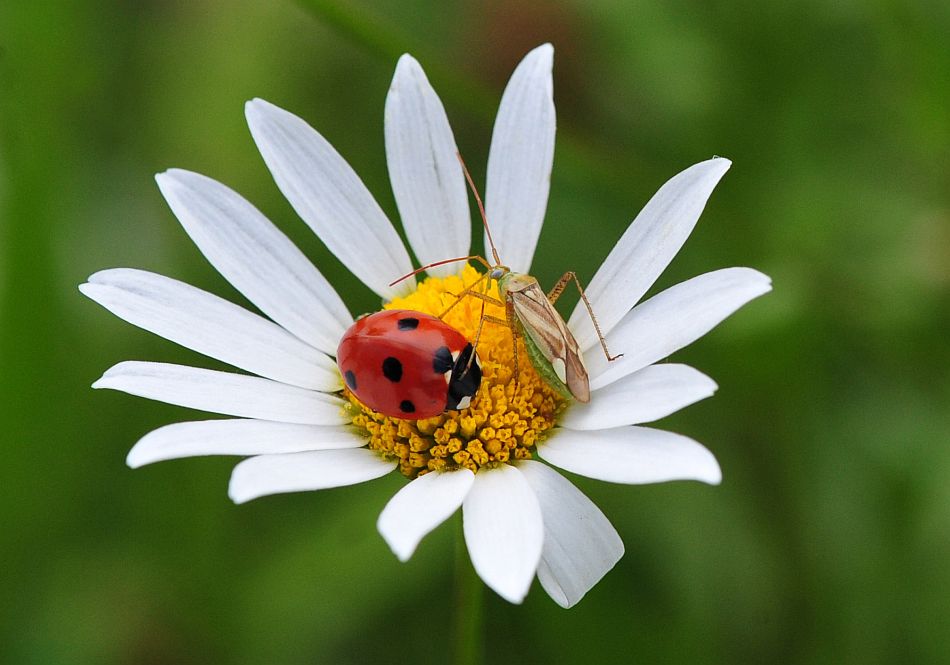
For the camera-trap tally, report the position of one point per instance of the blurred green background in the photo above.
(829, 539)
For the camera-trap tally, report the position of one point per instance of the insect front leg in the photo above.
(510, 322)
(467, 291)
(483, 317)
(556, 292)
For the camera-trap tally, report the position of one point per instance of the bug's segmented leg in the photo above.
(467, 291)
(556, 292)
(495, 319)
(510, 314)
(472, 290)
(478, 336)
(483, 296)
(509, 322)
(558, 288)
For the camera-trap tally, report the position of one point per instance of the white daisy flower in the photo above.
(304, 431)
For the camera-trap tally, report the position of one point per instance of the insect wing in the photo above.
(552, 337)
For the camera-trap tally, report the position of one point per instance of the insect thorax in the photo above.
(513, 282)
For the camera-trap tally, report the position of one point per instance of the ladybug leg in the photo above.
(556, 292)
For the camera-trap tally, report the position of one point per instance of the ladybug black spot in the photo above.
(392, 369)
(408, 323)
(442, 361)
(407, 407)
(350, 379)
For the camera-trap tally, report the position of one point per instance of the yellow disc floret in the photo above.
(507, 416)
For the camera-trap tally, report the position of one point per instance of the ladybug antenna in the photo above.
(441, 263)
(481, 208)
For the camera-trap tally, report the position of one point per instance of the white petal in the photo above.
(259, 260)
(580, 544)
(223, 392)
(649, 394)
(302, 472)
(238, 437)
(211, 325)
(424, 169)
(330, 197)
(421, 506)
(673, 319)
(520, 160)
(503, 530)
(632, 455)
(646, 248)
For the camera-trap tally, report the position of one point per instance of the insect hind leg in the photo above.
(556, 292)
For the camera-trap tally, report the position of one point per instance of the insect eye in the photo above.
(497, 273)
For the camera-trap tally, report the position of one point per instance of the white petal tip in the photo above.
(515, 597)
(711, 475)
(546, 50)
(239, 495)
(141, 455)
(134, 459)
(98, 277)
(406, 60)
(540, 58)
(172, 176)
(105, 381)
(260, 105)
(254, 108)
(704, 467)
(401, 550)
(714, 168)
(709, 386)
(419, 507)
(761, 282)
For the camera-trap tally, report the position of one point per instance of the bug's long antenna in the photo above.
(441, 263)
(481, 208)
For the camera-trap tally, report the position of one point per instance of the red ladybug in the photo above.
(408, 365)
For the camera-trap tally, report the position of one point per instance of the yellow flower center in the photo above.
(506, 418)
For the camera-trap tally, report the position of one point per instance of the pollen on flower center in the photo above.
(505, 419)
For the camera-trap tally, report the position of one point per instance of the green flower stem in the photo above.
(468, 607)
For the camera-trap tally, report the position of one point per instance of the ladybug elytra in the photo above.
(407, 364)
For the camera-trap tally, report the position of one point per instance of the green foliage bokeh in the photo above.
(829, 538)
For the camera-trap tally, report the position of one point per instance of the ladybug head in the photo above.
(464, 380)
